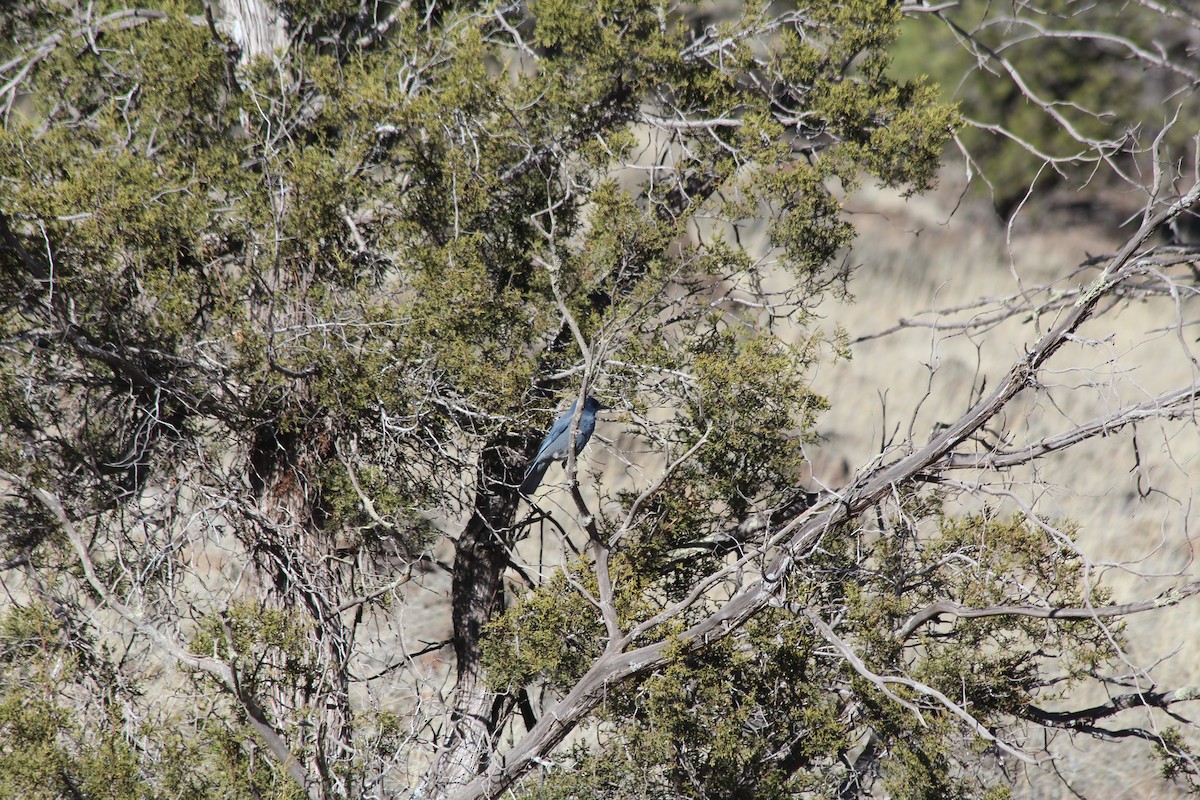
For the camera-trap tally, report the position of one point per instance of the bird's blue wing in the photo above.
(558, 431)
(554, 446)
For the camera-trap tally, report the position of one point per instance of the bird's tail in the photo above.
(533, 478)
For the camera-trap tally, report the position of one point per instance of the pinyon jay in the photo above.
(554, 446)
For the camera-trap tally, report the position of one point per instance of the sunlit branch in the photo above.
(1179, 403)
(28, 58)
(946, 607)
(885, 682)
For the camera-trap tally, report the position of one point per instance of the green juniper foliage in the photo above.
(278, 334)
(771, 712)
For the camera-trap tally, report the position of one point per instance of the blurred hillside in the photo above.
(1066, 101)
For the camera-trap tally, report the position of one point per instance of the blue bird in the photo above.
(554, 446)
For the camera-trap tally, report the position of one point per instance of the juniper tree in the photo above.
(290, 294)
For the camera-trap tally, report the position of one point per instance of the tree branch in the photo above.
(883, 682)
(1083, 717)
(29, 57)
(938, 609)
(1172, 404)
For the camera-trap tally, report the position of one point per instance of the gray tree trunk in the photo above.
(255, 25)
(481, 557)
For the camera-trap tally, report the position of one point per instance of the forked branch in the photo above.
(946, 607)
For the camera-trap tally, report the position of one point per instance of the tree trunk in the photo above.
(255, 25)
(292, 551)
(481, 556)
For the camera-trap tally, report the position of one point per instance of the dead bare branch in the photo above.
(1171, 405)
(946, 607)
